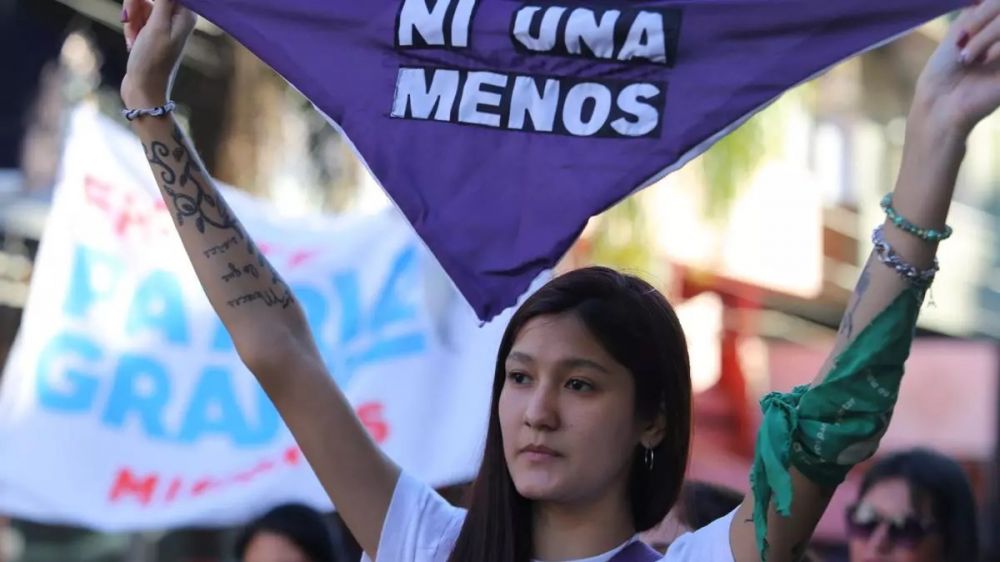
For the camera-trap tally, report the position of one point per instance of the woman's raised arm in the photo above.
(266, 323)
(838, 420)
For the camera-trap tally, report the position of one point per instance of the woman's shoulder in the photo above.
(708, 544)
(420, 526)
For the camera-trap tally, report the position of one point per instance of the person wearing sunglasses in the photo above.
(914, 506)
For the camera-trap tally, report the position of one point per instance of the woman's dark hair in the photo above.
(300, 524)
(703, 502)
(635, 325)
(940, 482)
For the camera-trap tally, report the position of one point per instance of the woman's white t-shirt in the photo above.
(422, 527)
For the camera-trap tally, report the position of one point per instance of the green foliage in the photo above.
(622, 238)
(730, 163)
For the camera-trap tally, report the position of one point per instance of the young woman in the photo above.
(914, 506)
(588, 432)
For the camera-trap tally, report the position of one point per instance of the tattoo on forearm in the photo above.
(221, 248)
(268, 297)
(847, 324)
(182, 181)
(237, 272)
(234, 272)
(180, 170)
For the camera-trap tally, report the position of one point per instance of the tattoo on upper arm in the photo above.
(847, 324)
(181, 179)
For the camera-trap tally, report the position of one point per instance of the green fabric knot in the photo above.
(769, 474)
(823, 431)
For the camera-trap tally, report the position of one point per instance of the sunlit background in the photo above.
(758, 242)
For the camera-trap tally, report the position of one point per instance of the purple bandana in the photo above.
(500, 126)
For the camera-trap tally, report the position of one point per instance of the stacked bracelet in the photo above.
(919, 278)
(132, 114)
(900, 222)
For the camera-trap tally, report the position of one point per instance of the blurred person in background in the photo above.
(702, 502)
(914, 506)
(289, 533)
(699, 504)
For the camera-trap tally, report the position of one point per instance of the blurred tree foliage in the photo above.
(622, 237)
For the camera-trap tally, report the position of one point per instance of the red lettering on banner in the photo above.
(130, 214)
(288, 258)
(98, 193)
(371, 417)
(299, 257)
(293, 455)
(175, 487)
(204, 485)
(144, 216)
(262, 466)
(126, 484)
(154, 488)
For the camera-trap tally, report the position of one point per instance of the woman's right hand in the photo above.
(155, 34)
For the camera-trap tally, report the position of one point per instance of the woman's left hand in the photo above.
(960, 86)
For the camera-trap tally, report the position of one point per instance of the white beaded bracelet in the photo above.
(132, 114)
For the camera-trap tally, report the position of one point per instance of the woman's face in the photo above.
(266, 546)
(567, 414)
(885, 527)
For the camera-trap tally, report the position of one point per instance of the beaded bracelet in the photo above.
(132, 114)
(900, 222)
(920, 279)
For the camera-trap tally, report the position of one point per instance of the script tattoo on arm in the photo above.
(847, 324)
(193, 200)
(221, 248)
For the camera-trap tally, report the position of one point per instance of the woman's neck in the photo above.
(572, 531)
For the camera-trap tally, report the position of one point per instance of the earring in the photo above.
(650, 458)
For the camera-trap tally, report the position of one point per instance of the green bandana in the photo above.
(825, 430)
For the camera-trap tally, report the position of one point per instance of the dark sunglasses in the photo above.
(863, 521)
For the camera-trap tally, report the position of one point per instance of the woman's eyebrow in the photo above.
(583, 363)
(567, 364)
(520, 357)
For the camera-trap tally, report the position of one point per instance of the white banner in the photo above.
(124, 405)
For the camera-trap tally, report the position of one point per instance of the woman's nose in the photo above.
(542, 412)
